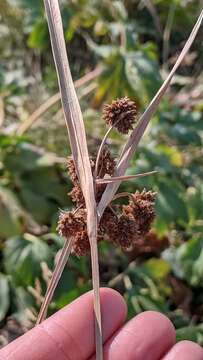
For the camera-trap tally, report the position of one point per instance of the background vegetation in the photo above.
(131, 44)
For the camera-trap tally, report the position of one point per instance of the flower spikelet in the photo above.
(125, 233)
(81, 245)
(107, 163)
(69, 224)
(141, 210)
(71, 170)
(121, 114)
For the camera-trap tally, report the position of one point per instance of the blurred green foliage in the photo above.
(134, 45)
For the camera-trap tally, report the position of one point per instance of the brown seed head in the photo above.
(109, 221)
(141, 210)
(81, 245)
(71, 170)
(76, 192)
(106, 166)
(69, 224)
(121, 114)
(125, 233)
(77, 195)
(107, 163)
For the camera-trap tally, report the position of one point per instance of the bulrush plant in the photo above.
(96, 179)
(133, 219)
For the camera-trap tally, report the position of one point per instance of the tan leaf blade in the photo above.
(61, 263)
(75, 125)
(138, 132)
(113, 179)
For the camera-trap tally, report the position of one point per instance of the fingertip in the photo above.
(69, 333)
(187, 350)
(155, 317)
(111, 300)
(148, 334)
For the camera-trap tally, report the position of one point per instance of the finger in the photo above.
(148, 336)
(69, 334)
(186, 350)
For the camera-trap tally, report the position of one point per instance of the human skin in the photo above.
(69, 335)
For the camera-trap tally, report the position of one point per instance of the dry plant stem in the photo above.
(76, 130)
(54, 99)
(138, 132)
(113, 211)
(102, 146)
(100, 151)
(121, 195)
(108, 180)
(63, 258)
(85, 92)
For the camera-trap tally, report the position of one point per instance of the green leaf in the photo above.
(38, 38)
(195, 203)
(4, 296)
(12, 217)
(21, 300)
(190, 256)
(192, 333)
(187, 260)
(22, 158)
(143, 75)
(23, 256)
(170, 205)
(148, 303)
(44, 181)
(104, 51)
(33, 8)
(68, 289)
(41, 208)
(157, 268)
(184, 135)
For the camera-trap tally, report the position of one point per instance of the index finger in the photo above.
(69, 334)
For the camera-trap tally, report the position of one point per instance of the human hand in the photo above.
(69, 335)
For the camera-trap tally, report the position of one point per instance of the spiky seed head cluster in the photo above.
(76, 192)
(121, 114)
(74, 225)
(107, 163)
(109, 221)
(141, 210)
(70, 165)
(125, 225)
(71, 222)
(68, 225)
(81, 245)
(132, 222)
(106, 166)
(125, 233)
(77, 195)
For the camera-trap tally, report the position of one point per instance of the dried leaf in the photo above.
(63, 258)
(112, 179)
(138, 132)
(76, 130)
